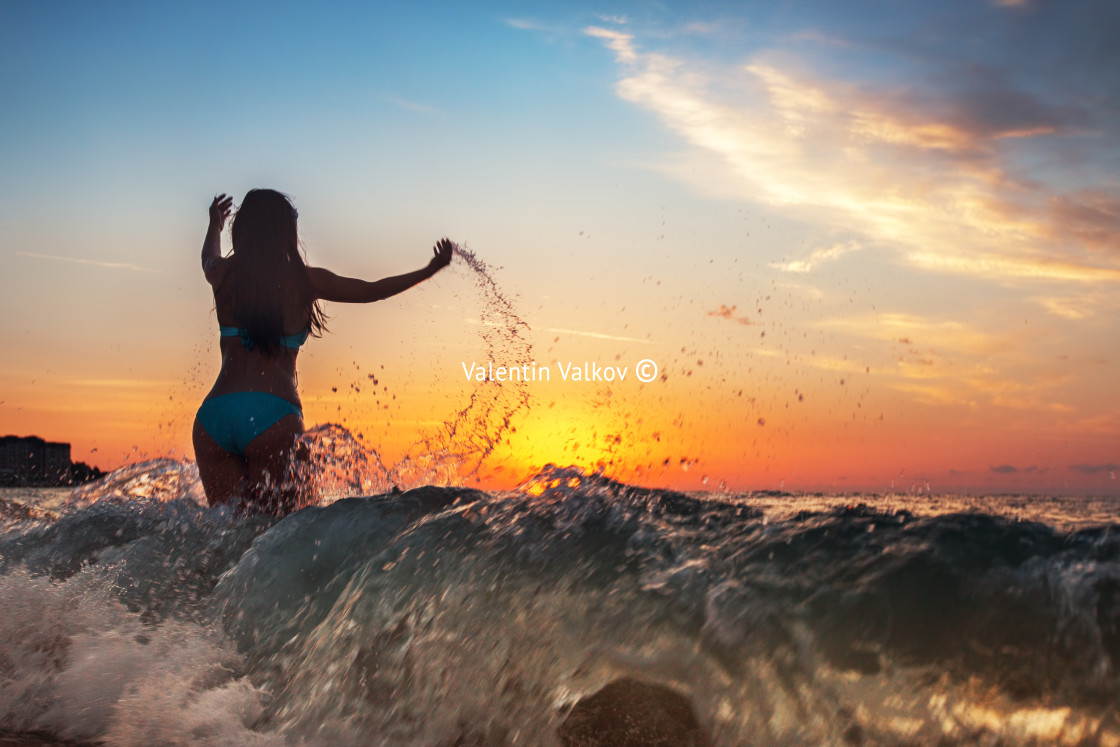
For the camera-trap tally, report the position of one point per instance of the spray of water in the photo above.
(458, 449)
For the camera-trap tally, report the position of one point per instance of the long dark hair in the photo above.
(267, 269)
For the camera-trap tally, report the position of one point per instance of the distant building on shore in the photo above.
(30, 460)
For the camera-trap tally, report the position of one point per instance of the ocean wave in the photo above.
(445, 615)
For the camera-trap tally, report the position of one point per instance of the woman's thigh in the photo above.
(223, 474)
(272, 460)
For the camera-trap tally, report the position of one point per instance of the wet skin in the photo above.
(265, 477)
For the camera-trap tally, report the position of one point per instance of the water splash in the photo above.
(339, 466)
(466, 439)
(159, 480)
(449, 615)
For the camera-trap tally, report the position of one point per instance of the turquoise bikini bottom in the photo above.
(233, 420)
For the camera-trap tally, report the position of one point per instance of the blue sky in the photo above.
(919, 197)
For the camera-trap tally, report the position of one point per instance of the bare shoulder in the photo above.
(318, 278)
(214, 268)
(318, 274)
(323, 282)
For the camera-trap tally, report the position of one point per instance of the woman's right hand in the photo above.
(442, 251)
(219, 210)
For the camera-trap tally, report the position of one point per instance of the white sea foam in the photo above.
(78, 665)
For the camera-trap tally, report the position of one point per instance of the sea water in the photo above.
(131, 613)
(134, 614)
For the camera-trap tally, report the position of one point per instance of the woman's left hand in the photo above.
(220, 210)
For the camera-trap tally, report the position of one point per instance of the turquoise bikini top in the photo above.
(292, 342)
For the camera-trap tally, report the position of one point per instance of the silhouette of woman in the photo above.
(267, 302)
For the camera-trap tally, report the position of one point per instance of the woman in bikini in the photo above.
(267, 304)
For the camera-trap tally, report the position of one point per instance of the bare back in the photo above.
(245, 370)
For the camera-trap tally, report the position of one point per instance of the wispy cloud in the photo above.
(1092, 215)
(94, 262)
(930, 394)
(702, 27)
(1095, 469)
(525, 24)
(1068, 307)
(946, 362)
(926, 178)
(414, 106)
(593, 335)
(567, 331)
(120, 383)
(620, 43)
(728, 312)
(911, 329)
(818, 256)
(994, 266)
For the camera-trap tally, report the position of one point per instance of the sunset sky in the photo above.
(870, 246)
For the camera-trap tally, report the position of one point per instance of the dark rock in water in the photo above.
(629, 713)
(1108, 618)
(35, 739)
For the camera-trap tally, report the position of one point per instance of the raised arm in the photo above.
(330, 287)
(212, 244)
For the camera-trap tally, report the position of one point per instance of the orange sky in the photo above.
(867, 251)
